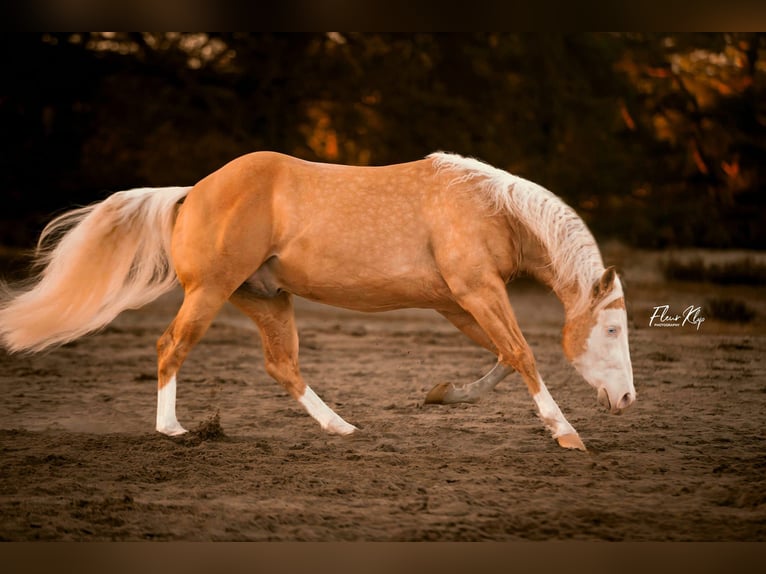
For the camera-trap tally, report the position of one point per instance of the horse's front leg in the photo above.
(450, 393)
(276, 323)
(487, 302)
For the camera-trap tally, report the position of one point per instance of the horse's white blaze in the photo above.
(167, 423)
(605, 364)
(324, 415)
(551, 414)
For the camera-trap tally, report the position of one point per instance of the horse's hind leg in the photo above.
(449, 393)
(198, 310)
(276, 323)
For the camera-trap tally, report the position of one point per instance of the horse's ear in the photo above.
(605, 283)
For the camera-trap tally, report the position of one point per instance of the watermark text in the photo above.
(691, 316)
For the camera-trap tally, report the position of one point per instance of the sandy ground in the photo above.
(80, 461)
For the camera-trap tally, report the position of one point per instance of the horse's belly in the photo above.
(362, 287)
(371, 300)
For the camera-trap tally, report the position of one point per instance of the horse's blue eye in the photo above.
(612, 330)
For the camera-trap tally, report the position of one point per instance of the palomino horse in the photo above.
(445, 233)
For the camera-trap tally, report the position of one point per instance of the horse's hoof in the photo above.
(176, 430)
(340, 427)
(571, 441)
(438, 395)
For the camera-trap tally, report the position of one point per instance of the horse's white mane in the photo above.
(575, 257)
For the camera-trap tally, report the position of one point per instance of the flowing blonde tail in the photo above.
(96, 262)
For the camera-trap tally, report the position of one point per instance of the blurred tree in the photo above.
(701, 121)
(657, 139)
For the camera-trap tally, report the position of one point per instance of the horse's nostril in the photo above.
(625, 401)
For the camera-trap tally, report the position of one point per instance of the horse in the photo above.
(445, 232)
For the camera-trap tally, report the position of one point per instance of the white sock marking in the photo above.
(325, 416)
(551, 414)
(167, 423)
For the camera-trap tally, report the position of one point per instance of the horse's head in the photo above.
(596, 343)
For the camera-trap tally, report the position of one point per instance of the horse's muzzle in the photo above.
(625, 401)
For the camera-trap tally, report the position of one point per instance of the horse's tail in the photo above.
(94, 263)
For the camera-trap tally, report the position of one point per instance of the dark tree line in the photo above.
(656, 139)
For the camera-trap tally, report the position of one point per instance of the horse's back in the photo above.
(288, 198)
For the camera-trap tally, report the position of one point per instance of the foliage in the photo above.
(657, 139)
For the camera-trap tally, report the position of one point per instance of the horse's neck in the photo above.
(536, 263)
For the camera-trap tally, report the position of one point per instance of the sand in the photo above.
(80, 459)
